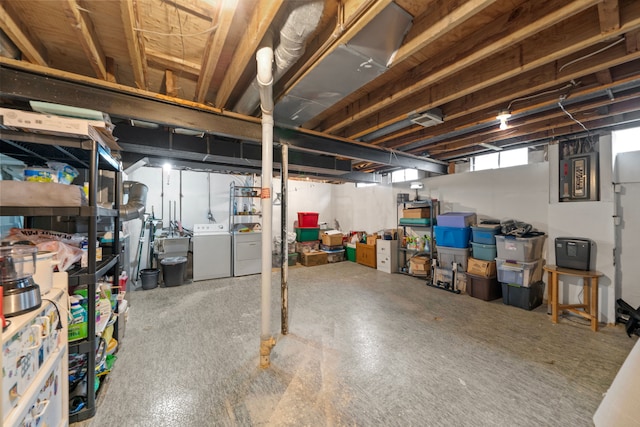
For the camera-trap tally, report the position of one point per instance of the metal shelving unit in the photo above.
(405, 254)
(82, 152)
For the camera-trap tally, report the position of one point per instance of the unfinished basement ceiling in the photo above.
(465, 59)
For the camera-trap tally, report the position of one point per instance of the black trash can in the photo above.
(173, 270)
(149, 278)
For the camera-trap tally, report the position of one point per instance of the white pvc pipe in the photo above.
(264, 58)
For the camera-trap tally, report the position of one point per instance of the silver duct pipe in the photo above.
(264, 58)
(136, 203)
(301, 21)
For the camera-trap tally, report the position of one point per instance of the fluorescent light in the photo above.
(491, 146)
(416, 185)
(189, 132)
(142, 124)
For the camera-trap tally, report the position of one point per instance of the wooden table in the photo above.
(588, 310)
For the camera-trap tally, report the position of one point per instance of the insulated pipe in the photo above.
(284, 272)
(264, 58)
(136, 203)
(301, 21)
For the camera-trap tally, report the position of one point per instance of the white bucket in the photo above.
(45, 264)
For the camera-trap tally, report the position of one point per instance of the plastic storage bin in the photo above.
(351, 252)
(447, 256)
(307, 219)
(307, 234)
(453, 237)
(522, 249)
(335, 256)
(484, 288)
(519, 273)
(484, 252)
(485, 234)
(456, 219)
(519, 296)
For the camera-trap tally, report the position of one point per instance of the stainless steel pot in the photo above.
(18, 301)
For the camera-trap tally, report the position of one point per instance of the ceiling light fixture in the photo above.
(503, 116)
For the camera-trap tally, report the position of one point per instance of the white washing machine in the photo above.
(211, 251)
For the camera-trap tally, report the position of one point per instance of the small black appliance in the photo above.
(576, 253)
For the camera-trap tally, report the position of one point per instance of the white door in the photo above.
(627, 180)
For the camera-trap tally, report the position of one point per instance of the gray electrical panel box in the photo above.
(579, 177)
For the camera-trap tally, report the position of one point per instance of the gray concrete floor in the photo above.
(365, 348)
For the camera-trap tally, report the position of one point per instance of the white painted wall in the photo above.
(369, 209)
(304, 196)
(519, 192)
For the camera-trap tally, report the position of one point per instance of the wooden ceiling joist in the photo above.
(30, 46)
(549, 120)
(484, 44)
(164, 61)
(85, 31)
(263, 14)
(528, 55)
(609, 14)
(213, 47)
(135, 41)
(441, 18)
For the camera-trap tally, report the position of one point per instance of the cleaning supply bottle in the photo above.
(78, 320)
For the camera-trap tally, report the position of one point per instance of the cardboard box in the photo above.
(371, 239)
(419, 265)
(332, 239)
(481, 267)
(310, 259)
(416, 213)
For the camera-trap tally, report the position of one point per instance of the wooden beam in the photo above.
(32, 49)
(86, 34)
(604, 77)
(165, 61)
(262, 16)
(466, 115)
(609, 14)
(213, 47)
(632, 40)
(558, 131)
(483, 44)
(581, 32)
(170, 84)
(111, 69)
(135, 41)
(543, 121)
(443, 17)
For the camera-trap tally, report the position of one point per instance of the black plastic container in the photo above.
(527, 298)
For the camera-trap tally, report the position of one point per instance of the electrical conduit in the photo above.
(264, 58)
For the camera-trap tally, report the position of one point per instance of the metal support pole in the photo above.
(284, 271)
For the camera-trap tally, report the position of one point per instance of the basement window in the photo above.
(624, 141)
(404, 175)
(502, 159)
